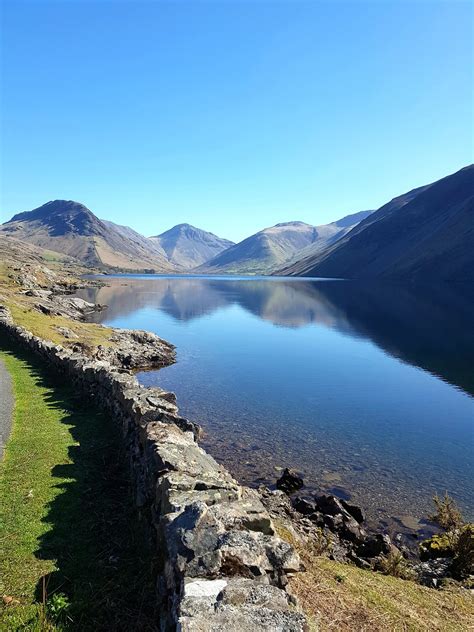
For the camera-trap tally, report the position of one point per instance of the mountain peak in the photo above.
(53, 208)
(295, 223)
(188, 246)
(71, 228)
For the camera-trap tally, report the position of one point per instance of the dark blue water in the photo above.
(366, 389)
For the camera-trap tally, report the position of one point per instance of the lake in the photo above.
(367, 389)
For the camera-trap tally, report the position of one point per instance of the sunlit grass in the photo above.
(342, 597)
(68, 530)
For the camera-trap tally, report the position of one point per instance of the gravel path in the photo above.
(6, 406)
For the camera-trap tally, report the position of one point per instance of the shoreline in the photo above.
(151, 421)
(191, 504)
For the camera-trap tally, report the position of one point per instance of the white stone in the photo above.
(204, 588)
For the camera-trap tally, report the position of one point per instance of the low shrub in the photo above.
(441, 545)
(463, 562)
(396, 565)
(447, 515)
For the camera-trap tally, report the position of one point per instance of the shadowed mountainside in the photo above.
(427, 233)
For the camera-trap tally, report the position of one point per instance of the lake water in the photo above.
(366, 389)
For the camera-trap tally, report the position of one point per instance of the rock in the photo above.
(45, 309)
(240, 591)
(303, 505)
(235, 604)
(317, 518)
(38, 293)
(432, 571)
(331, 505)
(204, 587)
(378, 544)
(289, 481)
(135, 349)
(358, 561)
(355, 511)
(334, 523)
(67, 333)
(352, 531)
(228, 618)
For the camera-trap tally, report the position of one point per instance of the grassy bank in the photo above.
(71, 555)
(344, 598)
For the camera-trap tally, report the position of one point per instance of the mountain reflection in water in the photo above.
(365, 388)
(426, 326)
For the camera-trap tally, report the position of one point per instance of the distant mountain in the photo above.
(271, 247)
(70, 228)
(427, 233)
(188, 247)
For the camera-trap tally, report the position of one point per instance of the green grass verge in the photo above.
(68, 534)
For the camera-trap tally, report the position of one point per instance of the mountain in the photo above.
(427, 233)
(271, 247)
(188, 247)
(71, 228)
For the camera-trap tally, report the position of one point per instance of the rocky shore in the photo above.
(222, 564)
(337, 530)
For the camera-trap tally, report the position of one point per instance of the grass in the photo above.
(43, 325)
(46, 327)
(342, 597)
(72, 556)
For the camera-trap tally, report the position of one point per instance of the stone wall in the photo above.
(222, 568)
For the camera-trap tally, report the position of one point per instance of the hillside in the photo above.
(188, 247)
(271, 247)
(72, 229)
(427, 233)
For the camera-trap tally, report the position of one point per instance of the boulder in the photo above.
(331, 505)
(352, 531)
(378, 544)
(303, 505)
(355, 511)
(289, 481)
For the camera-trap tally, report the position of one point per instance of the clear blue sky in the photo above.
(231, 115)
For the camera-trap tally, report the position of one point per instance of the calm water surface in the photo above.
(366, 389)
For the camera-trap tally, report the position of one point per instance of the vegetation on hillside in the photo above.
(343, 598)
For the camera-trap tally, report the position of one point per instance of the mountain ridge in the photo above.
(268, 248)
(427, 232)
(71, 228)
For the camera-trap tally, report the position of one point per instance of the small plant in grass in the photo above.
(396, 565)
(319, 543)
(57, 607)
(447, 514)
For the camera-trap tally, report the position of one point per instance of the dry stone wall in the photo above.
(222, 567)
